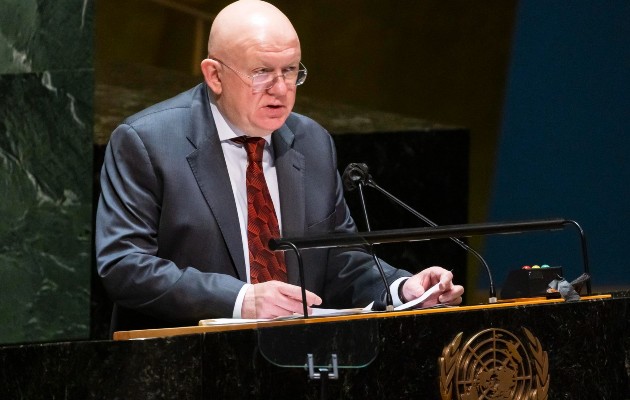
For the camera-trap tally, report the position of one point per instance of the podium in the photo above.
(538, 349)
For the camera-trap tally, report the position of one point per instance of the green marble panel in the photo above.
(46, 128)
(40, 35)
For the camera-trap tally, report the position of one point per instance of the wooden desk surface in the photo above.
(188, 330)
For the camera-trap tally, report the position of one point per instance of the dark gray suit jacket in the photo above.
(168, 244)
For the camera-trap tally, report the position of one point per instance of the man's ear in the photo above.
(210, 71)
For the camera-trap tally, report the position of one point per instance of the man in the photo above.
(173, 242)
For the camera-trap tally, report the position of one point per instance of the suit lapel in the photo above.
(290, 169)
(210, 170)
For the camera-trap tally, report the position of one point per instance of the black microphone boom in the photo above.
(353, 177)
(357, 175)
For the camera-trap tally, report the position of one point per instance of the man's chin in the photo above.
(272, 124)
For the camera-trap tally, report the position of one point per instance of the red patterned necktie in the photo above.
(262, 223)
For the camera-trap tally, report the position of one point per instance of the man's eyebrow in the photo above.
(263, 66)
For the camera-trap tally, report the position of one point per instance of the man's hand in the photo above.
(275, 299)
(415, 286)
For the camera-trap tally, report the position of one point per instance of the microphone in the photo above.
(353, 177)
(356, 175)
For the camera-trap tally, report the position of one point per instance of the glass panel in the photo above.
(354, 342)
(288, 344)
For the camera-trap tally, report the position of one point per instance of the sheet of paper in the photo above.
(317, 312)
(431, 294)
(321, 312)
(230, 321)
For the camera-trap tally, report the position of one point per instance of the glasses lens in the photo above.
(301, 77)
(264, 81)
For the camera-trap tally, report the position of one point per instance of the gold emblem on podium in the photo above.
(494, 364)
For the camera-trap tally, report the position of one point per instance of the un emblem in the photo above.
(495, 365)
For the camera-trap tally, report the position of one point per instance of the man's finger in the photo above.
(295, 292)
(453, 296)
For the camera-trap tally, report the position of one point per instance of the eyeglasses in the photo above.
(262, 81)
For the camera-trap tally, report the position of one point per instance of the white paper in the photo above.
(431, 294)
(230, 321)
(322, 312)
(316, 312)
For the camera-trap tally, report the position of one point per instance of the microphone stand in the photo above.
(492, 291)
(389, 303)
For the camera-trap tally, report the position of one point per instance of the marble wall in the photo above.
(46, 125)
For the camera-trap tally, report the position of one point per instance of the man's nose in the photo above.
(278, 85)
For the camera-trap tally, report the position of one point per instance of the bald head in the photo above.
(252, 39)
(247, 23)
